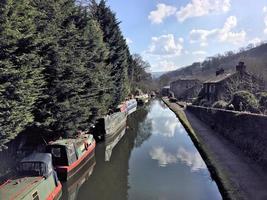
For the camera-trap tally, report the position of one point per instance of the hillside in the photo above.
(254, 58)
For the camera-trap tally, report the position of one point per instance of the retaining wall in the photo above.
(247, 131)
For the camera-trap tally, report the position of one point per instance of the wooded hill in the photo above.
(62, 64)
(255, 59)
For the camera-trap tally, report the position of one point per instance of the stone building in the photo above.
(185, 89)
(224, 85)
(165, 91)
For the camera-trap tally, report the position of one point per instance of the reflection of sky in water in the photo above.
(167, 165)
(164, 158)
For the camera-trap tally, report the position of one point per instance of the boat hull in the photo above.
(66, 173)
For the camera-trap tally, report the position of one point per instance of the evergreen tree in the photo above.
(20, 70)
(117, 46)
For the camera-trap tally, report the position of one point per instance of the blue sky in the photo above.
(174, 33)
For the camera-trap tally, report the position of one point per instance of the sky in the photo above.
(170, 34)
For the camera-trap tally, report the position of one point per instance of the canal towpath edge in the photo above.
(236, 176)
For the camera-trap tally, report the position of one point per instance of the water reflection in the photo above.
(191, 159)
(71, 188)
(154, 159)
(164, 158)
(111, 143)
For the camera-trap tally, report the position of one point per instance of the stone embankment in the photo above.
(234, 168)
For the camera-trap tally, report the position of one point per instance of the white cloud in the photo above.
(157, 16)
(129, 41)
(255, 41)
(199, 53)
(265, 18)
(191, 159)
(164, 158)
(225, 34)
(165, 45)
(198, 8)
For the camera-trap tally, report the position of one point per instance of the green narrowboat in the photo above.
(70, 155)
(35, 179)
(109, 125)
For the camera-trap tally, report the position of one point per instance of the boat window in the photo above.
(56, 152)
(71, 154)
(35, 196)
(33, 168)
(59, 155)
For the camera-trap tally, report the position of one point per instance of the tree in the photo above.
(21, 77)
(116, 44)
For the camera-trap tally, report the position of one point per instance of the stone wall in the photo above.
(247, 131)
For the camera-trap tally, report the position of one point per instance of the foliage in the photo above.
(62, 64)
(263, 101)
(21, 80)
(220, 104)
(245, 101)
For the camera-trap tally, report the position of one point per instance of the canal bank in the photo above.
(237, 176)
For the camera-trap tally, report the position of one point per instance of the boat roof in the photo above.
(18, 187)
(69, 141)
(38, 157)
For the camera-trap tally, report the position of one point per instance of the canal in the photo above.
(154, 158)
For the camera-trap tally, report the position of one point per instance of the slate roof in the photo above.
(219, 78)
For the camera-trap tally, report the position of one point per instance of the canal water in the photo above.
(153, 159)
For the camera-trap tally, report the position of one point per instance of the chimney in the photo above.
(241, 67)
(219, 72)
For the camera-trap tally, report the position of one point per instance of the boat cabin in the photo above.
(35, 179)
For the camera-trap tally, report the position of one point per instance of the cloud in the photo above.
(164, 158)
(255, 41)
(167, 126)
(191, 159)
(225, 34)
(199, 53)
(129, 41)
(165, 45)
(157, 16)
(265, 18)
(198, 8)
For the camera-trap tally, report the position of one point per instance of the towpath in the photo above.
(238, 176)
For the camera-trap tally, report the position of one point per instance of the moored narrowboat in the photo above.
(70, 155)
(35, 179)
(142, 99)
(131, 106)
(106, 127)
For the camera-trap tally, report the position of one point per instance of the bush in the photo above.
(245, 101)
(263, 101)
(204, 103)
(220, 104)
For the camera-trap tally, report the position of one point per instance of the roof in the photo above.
(38, 157)
(19, 187)
(219, 78)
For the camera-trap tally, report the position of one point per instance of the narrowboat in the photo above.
(70, 155)
(71, 188)
(142, 99)
(112, 142)
(131, 106)
(106, 127)
(35, 179)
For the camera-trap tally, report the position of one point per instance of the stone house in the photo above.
(224, 85)
(165, 91)
(185, 89)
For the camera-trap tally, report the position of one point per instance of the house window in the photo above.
(35, 196)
